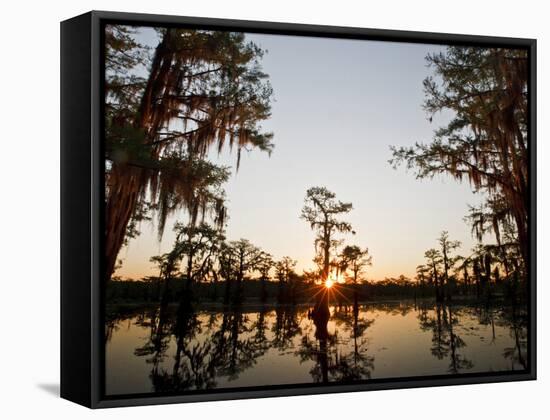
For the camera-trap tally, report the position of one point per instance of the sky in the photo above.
(338, 106)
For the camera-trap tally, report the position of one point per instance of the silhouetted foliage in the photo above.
(321, 210)
(212, 85)
(486, 141)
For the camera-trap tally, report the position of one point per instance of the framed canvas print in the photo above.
(255, 209)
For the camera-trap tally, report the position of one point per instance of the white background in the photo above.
(29, 136)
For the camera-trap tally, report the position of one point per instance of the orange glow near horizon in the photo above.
(329, 283)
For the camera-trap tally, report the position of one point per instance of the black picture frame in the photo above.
(82, 189)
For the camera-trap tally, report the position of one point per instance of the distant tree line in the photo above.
(482, 274)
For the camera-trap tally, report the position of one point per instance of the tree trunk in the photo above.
(321, 311)
(227, 293)
(124, 190)
(239, 292)
(263, 292)
(326, 256)
(355, 291)
(446, 290)
(125, 183)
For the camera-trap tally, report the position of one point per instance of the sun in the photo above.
(329, 283)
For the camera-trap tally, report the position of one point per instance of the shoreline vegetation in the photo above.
(115, 307)
(252, 305)
(130, 292)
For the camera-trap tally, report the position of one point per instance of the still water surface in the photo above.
(149, 352)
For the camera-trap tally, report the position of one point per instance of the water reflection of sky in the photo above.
(280, 347)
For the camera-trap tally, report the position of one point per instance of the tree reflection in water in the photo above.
(188, 350)
(228, 350)
(446, 343)
(335, 359)
(517, 320)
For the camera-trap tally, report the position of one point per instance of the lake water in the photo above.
(149, 352)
